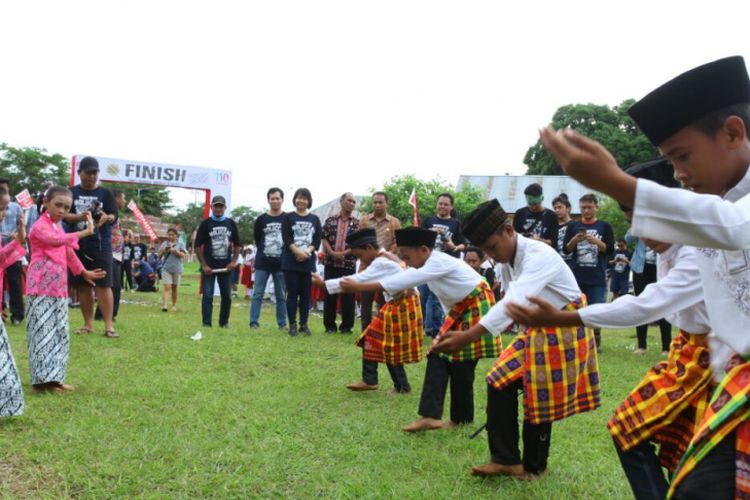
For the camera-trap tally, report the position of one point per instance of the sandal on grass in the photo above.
(111, 334)
(83, 331)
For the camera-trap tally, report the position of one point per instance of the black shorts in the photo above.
(94, 259)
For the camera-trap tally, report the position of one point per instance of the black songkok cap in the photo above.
(362, 238)
(415, 237)
(533, 190)
(484, 221)
(658, 170)
(691, 96)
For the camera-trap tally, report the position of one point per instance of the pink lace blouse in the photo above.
(52, 252)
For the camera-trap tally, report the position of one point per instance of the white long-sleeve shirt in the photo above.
(677, 296)
(449, 278)
(379, 268)
(537, 269)
(683, 217)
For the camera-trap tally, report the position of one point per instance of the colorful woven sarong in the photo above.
(395, 335)
(559, 368)
(668, 403)
(466, 314)
(728, 410)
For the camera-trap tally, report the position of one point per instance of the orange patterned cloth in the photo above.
(466, 314)
(728, 411)
(559, 368)
(668, 403)
(395, 335)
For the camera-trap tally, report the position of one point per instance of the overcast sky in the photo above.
(334, 95)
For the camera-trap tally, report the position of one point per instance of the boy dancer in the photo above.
(465, 296)
(700, 122)
(556, 368)
(395, 336)
(669, 402)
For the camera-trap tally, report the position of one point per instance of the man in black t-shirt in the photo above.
(95, 251)
(591, 241)
(217, 245)
(270, 243)
(535, 221)
(450, 241)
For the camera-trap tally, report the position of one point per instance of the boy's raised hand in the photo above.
(590, 163)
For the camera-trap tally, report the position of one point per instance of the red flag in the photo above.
(142, 220)
(24, 199)
(413, 203)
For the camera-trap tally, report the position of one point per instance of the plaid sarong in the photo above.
(559, 368)
(395, 335)
(728, 410)
(668, 403)
(466, 314)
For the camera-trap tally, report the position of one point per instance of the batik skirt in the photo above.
(48, 338)
(11, 392)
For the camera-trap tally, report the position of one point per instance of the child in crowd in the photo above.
(620, 264)
(171, 253)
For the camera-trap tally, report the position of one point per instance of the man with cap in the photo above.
(535, 221)
(555, 368)
(217, 245)
(395, 336)
(699, 121)
(95, 251)
(465, 296)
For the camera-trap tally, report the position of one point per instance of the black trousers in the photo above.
(366, 299)
(347, 302)
(14, 277)
(502, 432)
(713, 477)
(438, 373)
(644, 472)
(640, 282)
(397, 372)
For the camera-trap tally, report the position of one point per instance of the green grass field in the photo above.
(244, 413)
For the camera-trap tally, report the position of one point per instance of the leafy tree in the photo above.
(32, 168)
(399, 189)
(610, 126)
(152, 200)
(188, 218)
(245, 218)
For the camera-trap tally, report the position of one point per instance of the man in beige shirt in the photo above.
(385, 226)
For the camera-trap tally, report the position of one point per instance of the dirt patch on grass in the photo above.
(21, 478)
